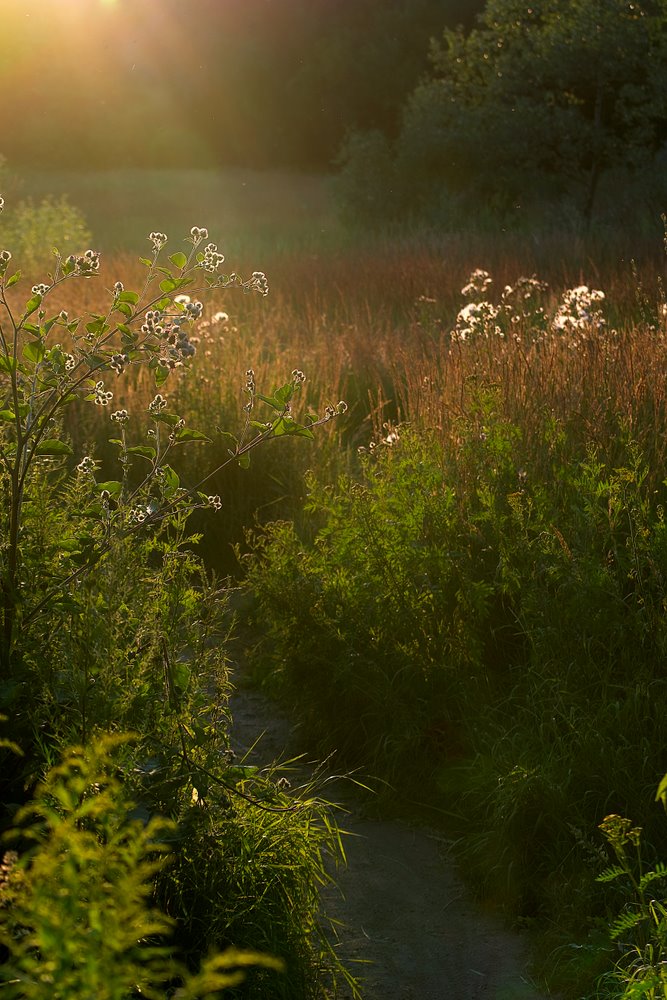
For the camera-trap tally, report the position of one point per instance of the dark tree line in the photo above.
(541, 102)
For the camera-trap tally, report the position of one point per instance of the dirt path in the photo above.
(409, 931)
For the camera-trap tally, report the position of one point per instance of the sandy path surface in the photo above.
(408, 929)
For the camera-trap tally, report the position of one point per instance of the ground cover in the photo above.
(474, 602)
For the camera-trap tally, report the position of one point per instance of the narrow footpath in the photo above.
(408, 929)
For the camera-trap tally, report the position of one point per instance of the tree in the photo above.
(540, 98)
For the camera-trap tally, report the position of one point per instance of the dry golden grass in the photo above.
(374, 329)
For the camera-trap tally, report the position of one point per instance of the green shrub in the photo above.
(76, 914)
(109, 622)
(469, 623)
(33, 229)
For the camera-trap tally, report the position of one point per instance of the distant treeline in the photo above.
(253, 82)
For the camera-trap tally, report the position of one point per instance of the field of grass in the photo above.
(242, 208)
(463, 589)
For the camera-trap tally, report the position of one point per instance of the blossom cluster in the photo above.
(175, 344)
(478, 283)
(258, 283)
(521, 312)
(477, 319)
(84, 265)
(580, 311)
(212, 259)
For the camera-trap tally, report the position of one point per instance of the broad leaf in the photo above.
(52, 446)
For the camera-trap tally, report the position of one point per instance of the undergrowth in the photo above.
(477, 616)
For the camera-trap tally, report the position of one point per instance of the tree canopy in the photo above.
(540, 98)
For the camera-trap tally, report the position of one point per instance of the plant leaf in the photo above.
(53, 446)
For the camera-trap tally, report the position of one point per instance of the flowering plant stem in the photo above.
(40, 378)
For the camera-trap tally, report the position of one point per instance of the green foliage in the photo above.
(33, 229)
(110, 623)
(76, 914)
(538, 101)
(249, 862)
(641, 926)
(482, 618)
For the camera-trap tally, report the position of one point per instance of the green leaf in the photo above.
(124, 308)
(7, 415)
(180, 676)
(97, 326)
(161, 375)
(284, 393)
(271, 400)
(34, 351)
(131, 297)
(285, 425)
(47, 326)
(179, 259)
(143, 451)
(661, 794)
(71, 544)
(145, 261)
(52, 446)
(228, 439)
(170, 481)
(244, 461)
(187, 434)
(14, 278)
(7, 364)
(168, 285)
(112, 486)
(167, 418)
(32, 304)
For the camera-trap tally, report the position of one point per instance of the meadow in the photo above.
(458, 585)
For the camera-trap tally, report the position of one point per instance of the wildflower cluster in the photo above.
(619, 831)
(258, 283)
(167, 329)
(101, 396)
(157, 404)
(477, 319)
(580, 313)
(478, 283)
(211, 260)
(335, 411)
(521, 312)
(83, 265)
(86, 466)
(117, 363)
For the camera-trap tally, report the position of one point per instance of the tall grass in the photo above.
(473, 606)
(370, 323)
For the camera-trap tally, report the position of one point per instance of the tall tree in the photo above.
(541, 97)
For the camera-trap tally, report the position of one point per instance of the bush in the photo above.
(109, 622)
(33, 229)
(76, 914)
